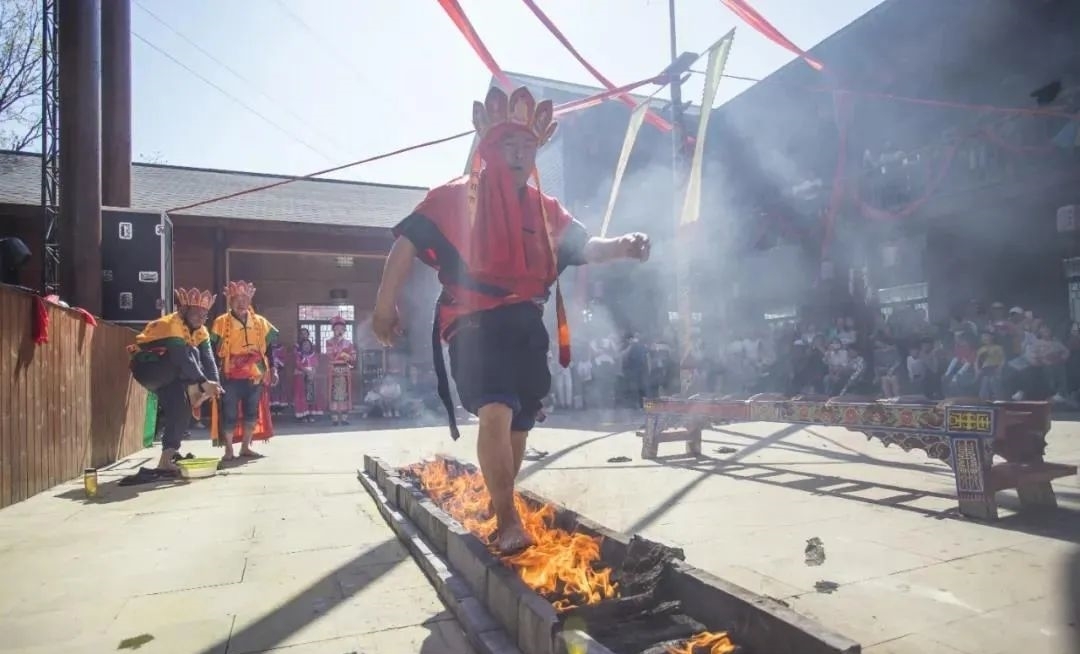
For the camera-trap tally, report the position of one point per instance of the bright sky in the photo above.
(348, 79)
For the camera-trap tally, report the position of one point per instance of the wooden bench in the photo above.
(964, 433)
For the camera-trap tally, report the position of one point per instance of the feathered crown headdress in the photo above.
(193, 297)
(519, 109)
(240, 289)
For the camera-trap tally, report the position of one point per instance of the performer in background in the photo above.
(243, 341)
(279, 395)
(308, 400)
(498, 245)
(172, 358)
(341, 354)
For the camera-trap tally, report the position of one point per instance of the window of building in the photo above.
(1074, 299)
(316, 318)
(781, 314)
(916, 295)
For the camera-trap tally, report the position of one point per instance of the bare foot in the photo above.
(512, 540)
(229, 456)
(249, 453)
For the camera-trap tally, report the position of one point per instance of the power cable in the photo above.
(323, 41)
(232, 97)
(281, 105)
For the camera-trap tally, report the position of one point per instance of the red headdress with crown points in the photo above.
(193, 297)
(239, 289)
(494, 211)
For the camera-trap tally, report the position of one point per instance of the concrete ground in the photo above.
(284, 554)
(288, 552)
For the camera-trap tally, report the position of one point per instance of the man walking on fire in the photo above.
(498, 244)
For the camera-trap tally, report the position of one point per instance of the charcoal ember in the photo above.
(613, 610)
(643, 566)
(640, 634)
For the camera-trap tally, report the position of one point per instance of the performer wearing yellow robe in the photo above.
(243, 341)
(172, 358)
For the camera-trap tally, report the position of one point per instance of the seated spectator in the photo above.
(960, 373)
(858, 373)
(845, 332)
(811, 368)
(836, 358)
(1048, 356)
(924, 368)
(989, 360)
(887, 367)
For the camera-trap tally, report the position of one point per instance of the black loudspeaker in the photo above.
(137, 268)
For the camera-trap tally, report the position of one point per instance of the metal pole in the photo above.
(116, 103)
(678, 164)
(79, 31)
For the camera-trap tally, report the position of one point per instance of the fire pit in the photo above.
(581, 587)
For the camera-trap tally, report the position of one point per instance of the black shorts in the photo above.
(242, 394)
(501, 355)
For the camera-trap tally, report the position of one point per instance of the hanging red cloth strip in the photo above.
(40, 325)
(457, 15)
(650, 117)
(751, 17)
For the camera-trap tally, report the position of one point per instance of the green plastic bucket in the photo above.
(150, 423)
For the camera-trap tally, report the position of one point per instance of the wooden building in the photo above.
(943, 197)
(314, 249)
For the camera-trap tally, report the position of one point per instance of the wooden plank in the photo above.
(8, 356)
(64, 403)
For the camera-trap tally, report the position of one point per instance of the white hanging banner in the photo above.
(637, 117)
(717, 60)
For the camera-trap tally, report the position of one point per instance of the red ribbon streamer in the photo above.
(751, 17)
(650, 117)
(457, 15)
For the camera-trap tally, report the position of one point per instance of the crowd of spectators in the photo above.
(993, 353)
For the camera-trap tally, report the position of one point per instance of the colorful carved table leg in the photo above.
(965, 434)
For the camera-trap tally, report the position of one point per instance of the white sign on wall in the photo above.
(1066, 218)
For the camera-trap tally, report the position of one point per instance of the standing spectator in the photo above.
(1073, 363)
(634, 370)
(563, 382)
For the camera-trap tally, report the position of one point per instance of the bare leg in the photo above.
(166, 462)
(245, 446)
(227, 436)
(518, 441)
(495, 452)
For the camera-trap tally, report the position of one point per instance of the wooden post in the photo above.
(79, 41)
(116, 103)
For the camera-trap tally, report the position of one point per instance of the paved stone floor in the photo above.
(285, 554)
(288, 552)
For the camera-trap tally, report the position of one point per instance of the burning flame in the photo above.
(562, 566)
(706, 643)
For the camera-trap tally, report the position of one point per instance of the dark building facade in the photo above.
(926, 167)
